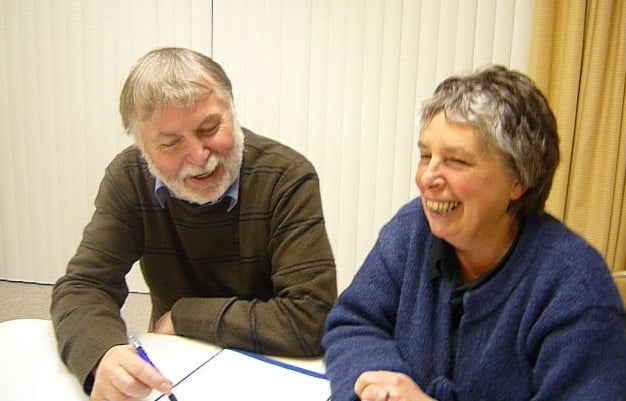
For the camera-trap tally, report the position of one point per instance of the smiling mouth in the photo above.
(441, 207)
(201, 176)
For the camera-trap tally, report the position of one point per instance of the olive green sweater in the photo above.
(263, 275)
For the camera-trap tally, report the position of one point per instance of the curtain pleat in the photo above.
(578, 58)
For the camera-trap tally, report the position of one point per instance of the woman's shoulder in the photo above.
(407, 229)
(557, 240)
(567, 265)
(408, 218)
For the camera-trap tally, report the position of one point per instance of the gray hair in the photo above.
(511, 116)
(170, 77)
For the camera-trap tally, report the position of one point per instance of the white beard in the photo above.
(230, 163)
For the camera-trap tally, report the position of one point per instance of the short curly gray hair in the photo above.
(511, 116)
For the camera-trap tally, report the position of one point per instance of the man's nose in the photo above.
(199, 152)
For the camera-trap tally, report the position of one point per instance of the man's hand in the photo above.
(165, 325)
(388, 386)
(122, 375)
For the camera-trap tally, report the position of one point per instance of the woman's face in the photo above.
(465, 187)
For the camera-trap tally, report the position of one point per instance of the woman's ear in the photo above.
(517, 190)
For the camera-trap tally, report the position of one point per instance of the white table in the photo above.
(30, 368)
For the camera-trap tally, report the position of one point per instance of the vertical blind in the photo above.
(342, 81)
(338, 80)
(62, 65)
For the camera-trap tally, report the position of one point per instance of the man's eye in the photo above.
(424, 159)
(457, 162)
(170, 144)
(207, 131)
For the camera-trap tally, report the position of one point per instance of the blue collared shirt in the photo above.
(162, 193)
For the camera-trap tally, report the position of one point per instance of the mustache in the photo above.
(191, 171)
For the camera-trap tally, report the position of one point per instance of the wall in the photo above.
(62, 65)
(340, 81)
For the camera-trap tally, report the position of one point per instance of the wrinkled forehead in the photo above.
(478, 128)
(209, 103)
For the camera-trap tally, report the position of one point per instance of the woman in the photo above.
(472, 292)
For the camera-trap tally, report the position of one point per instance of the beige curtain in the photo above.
(578, 59)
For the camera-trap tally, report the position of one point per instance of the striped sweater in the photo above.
(263, 274)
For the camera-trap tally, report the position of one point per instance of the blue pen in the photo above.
(143, 355)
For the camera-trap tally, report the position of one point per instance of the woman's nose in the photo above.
(429, 175)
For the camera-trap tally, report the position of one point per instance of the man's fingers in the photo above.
(129, 385)
(123, 375)
(114, 383)
(146, 374)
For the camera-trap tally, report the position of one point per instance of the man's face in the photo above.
(196, 150)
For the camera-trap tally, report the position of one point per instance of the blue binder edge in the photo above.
(281, 364)
(255, 356)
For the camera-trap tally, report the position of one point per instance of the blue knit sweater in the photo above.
(548, 326)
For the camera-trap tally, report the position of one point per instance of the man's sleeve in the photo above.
(86, 301)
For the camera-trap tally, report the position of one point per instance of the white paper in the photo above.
(232, 375)
(175, 356)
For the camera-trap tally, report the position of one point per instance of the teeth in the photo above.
(441, 207)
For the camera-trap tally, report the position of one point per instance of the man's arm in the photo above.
(86, 301)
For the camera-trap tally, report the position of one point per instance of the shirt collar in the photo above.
(442, 261)
(162, 194)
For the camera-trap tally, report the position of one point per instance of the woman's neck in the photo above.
(485, 255)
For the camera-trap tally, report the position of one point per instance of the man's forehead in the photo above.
(200, 108)
(174, 119)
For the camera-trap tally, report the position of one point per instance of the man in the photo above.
(227, 226)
